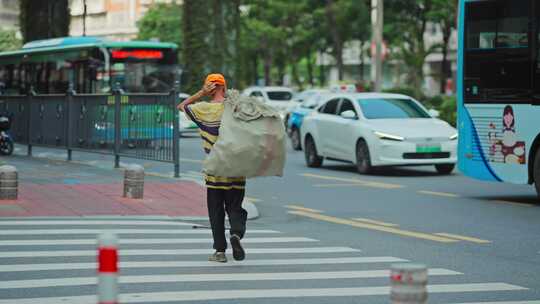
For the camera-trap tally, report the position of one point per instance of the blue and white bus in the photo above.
(499, 90)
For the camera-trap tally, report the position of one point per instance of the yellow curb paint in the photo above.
(370, 221)
(300, 208)
(252, 199)
(196, 173)
(188, 160)
(336, 220)
(445, 194)
(355, 181)
(464, 238)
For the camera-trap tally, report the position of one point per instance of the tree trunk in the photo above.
(310, 68)
(337, 49)
(444, 64)
(296, 78)
(44, 19)
(362, 63)
(195, 47)
(267, 70)
(219, 42)
(322, 72)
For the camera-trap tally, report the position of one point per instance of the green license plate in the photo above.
(428, 148)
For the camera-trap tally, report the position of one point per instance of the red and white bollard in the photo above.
(107, 269)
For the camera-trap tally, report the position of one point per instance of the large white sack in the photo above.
(251, 140)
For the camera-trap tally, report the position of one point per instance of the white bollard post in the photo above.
(8, 183)
(107, 269)
(134, 182)
(408, 284)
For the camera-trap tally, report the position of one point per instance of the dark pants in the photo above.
(219, 201)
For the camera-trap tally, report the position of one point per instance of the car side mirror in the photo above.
(349, 114)
(434, 113)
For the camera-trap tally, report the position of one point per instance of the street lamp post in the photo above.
(84, 18)
(377, 39)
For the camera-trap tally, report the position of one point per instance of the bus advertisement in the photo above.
(499, 90)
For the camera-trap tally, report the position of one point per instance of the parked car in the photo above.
(277, 97)
(185, 124)
(373, 129)
(310, 99)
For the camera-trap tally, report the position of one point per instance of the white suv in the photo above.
(277, 97)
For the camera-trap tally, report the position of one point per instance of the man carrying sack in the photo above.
(223, 193)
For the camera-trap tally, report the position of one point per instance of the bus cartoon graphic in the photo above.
(505, 146)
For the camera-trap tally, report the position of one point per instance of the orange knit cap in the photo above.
(215, 78)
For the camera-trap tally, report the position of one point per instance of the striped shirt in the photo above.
(207, 116)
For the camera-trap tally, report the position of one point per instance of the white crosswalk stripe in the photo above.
(31, 261)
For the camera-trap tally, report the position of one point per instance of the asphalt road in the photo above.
(481, 239)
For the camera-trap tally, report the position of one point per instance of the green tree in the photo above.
(44, 19)
(405, 25)
(163, 22)
(444, 13)
(9, 40)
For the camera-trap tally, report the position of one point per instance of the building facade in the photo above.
(358, 66)
(9, 14)
(113, 19)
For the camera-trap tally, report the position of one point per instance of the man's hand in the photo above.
(208, 89)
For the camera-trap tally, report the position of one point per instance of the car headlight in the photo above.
(386, 136)
(454, 137)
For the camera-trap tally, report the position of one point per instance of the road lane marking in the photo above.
(511, 203)
(336, 185)
(370, 221)
(196, 173)
(300, 208)
(188, 160)
(354, 180)
(208, 295)
(154, 252)
(253, 200)
(84, 222)
(178, 264)
(336, 220)
(148, 241)
(507, 302)
(464, 238)
(93, 232)
(221, 277)
(444, 194)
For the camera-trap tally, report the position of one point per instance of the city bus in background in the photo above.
(499, 90)
(92, 65)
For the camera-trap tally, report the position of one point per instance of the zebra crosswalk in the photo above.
(164, 261)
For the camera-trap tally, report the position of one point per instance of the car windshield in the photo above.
(312, 102)
(388, 108)
(279, 95)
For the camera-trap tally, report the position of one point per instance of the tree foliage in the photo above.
(9, 40)
(163, 22)
(44, 19)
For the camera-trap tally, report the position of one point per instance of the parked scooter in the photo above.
(6, 142)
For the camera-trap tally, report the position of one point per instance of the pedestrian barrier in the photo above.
(143, 126)
(408, 284)
(134, 182)
(8, 183)
(108, 269)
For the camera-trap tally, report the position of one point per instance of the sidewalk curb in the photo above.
(253, 212)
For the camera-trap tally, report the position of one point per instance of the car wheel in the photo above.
(295, 139)
(6, 147)
(445, 168)
(536, 172)
(363, 159)
(313, 160)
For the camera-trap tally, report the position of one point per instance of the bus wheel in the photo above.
(536, 172)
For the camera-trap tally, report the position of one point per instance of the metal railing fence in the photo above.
(143, 126)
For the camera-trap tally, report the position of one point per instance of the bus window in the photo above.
(143, 70)
(497, 54)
